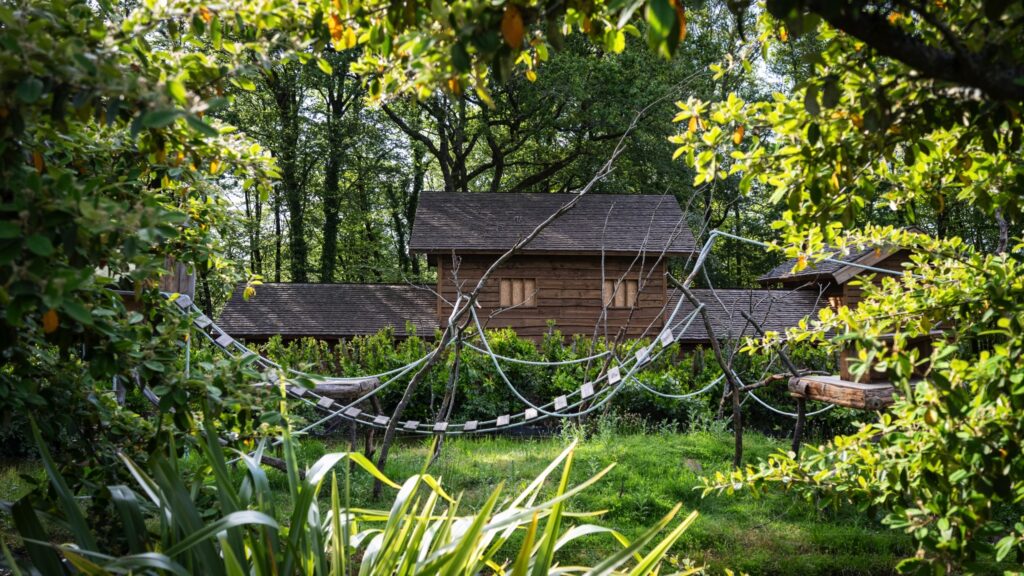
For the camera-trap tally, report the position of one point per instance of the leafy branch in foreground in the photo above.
(944, 464)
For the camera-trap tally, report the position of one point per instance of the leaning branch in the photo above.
(730, 376)
(1000, 80)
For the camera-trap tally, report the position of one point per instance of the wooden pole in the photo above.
(801, 400)
(798, 428)
(730, 376)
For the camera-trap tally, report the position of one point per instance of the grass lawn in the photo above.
(777, 534)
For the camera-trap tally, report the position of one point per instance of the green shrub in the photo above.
(482, 394)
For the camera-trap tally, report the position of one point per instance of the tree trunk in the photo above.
(277, 236)
(286, 88)
(1004, 232)
(403, 403)
(332, 207)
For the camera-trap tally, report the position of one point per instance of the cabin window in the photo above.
(620, 293)
(518, 292)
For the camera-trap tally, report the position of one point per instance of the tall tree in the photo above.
(342, 95)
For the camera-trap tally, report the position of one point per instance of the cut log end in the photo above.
(834, 390)
(346, 390)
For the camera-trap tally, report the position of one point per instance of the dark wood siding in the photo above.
(852, 294)
(569, 291)
(852, 290)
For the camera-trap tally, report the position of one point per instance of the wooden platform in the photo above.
(835, 390)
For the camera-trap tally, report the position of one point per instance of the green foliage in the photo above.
(944, 463)
(865, 133)
(482, 394)
(776, 534)
(110, 171)
(898, 125)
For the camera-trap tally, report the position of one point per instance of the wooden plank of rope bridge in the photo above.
(344, 389)
(835, 390)
(470, 426)
(381, 420)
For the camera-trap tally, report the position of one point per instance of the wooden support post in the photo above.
(798, 429)
(730, 376)
(801, 399)
(178, 278)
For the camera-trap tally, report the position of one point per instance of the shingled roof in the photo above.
(772, 309)
(815, 271)
(329, 311)
(492, 223)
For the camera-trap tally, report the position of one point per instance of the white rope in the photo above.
(711, 385)
(544, 363)
(789, 414)
(504, 377)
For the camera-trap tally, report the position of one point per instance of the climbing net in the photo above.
(617, 371)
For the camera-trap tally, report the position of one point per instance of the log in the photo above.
(347, 390)
(835, 390)
(340, 390)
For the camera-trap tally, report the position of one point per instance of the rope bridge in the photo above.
(617, 373)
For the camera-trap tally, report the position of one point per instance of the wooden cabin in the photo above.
(835, 279)
(608, 250)
(842, 284)
(608, 254)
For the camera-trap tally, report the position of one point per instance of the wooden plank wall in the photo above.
(852, 294)
(569, 291)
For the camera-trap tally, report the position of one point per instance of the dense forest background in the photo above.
(351, 174)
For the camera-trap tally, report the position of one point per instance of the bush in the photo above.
(482, 394)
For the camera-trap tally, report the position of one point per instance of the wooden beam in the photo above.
(848, 272)
(834, 390)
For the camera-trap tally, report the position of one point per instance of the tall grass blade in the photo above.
(235, 519)
(462, 556)
(142, 563)
(654, 556)
(127, 504)
(43, 557)
(232, 567)
(338, 551)
(187, 521)
(522, 563)
(9, 559)
(76, 521)
(545, 555)
(615, 560)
